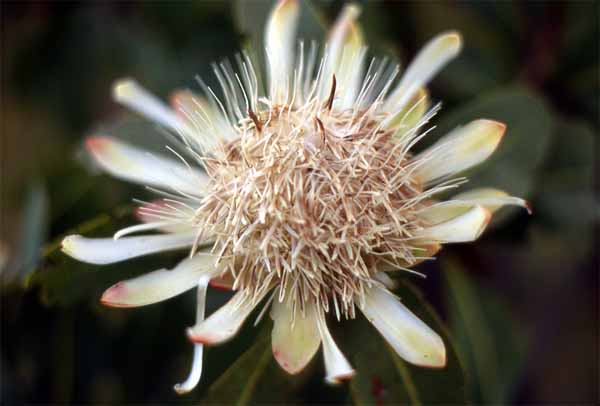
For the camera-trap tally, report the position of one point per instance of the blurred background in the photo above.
(520, 306)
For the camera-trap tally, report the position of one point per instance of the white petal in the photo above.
(412, 339)
(337, 367)
(459, 150)
(132, 164)
(386, 280)
(163, 284)
(345, 51)
(155, 225)
(434, 55)
(102, 251)
(295, 338)
(489, 198)
(279, 42)
(129, 93)
(160, 210)
(225, 322)
(463, 228)
(196, 372)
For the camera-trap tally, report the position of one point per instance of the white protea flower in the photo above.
(306, 195)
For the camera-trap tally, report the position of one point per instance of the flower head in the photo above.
(305, 195)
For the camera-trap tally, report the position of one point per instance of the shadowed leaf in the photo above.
(486, 336)
(33, 234)
(256, 378)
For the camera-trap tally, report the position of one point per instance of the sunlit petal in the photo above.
(225, 322)
(489, 198)
(102, 251)
(135, 165)
(280, 35)
(459, 150)
(463, 228)
(432, 57)
(160, 285)
(412, 339)
(295, 338)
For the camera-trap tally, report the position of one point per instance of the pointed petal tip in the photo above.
(93, 141)
(339, 379)
(226, 322)
(283, 7)
(453, 39)
(282, 360)
(487, 217)
(528, 207)
(286, 4)
(67, 243)
(112, 296)
(206, 337)
(180, 389)
(352, 10)
(433, 360)
(496, 127)
(96, 144)
(196, 338)
(450, 41)
(122, 88)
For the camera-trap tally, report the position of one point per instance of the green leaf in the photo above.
(256, 378)
(579, 65)
(486, 337)
(565, 201)
(237, 384)
(383, 377)
(33, 234)
(515, 165)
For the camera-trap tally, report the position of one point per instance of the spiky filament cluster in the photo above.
(311, 200)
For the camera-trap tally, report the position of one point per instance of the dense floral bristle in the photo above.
(311, 199)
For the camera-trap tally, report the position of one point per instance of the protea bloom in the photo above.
(305, 195)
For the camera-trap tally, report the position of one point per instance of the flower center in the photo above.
(311, 200)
